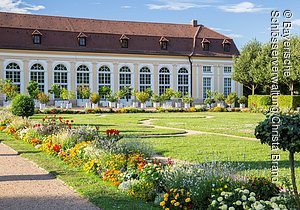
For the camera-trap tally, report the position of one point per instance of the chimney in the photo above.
(194, 23)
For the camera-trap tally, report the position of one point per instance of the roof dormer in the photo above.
(205, 44)
(226, 45)
(36, 37)
(163, 42)
(82, 39)
(124, 41)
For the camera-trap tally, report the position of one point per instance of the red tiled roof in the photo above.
(60, 33)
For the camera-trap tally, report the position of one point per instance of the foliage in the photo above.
(231, 98)
(259, 101)
(33, 89)
(187, 100)
(129, 146)
(8, 88)
(78, 135)
(84, 92)
(156, 98)
(112, 97)
(218, 109)
(55, 90)
(210, 95)
(243, 100)
(22, 106)
(142, 96)
(177, 94)
(177, 199)
(288, 101)
(149, 91)
(43, 98)
(104, 91)
(95, 98)
(142, 190)
(67, 94)
(219, 97)
(109, 141)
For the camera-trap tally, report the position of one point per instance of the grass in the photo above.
(90, 186)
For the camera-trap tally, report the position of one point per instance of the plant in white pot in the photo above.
(33, 91)
(143, 97)
(209, 100)
(135, 102)
(187, 100)
(112, 100)
(9, 90)
(94, 99)
(177, 95)
(219, 98)
(44, 99)
(166, 98)
(121, 94)
(231, 99)
(242, 101)
(156, 99)
(67, 95)
(104, 93)
(84, 93)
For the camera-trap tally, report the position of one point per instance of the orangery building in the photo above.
(71, 52)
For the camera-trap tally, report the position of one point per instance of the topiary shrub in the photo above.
(288, 101)
(259, 101)
(22, 106)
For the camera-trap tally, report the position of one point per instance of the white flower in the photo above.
(214, 202)
(224, 207)
(223, 193)
(252, 199)
(246, 191)
(252, 194)
(231, 208)
(219, 199)
(244, 198)
(238, 203)
(259, 207)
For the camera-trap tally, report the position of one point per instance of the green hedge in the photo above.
(259, 101)
(288, 101)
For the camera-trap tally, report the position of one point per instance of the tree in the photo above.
(55, 90)
(288, 139)
(95, 98)
(9, 89)
(245, 71)
(104, 91)
(84, 92)
(22, 106)
(33, 89)
(67, 94)
(294, 57)
(142, 96)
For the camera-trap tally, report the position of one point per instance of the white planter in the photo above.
(135, 104)
(143, 105)
(112, 104)
(104, 103)
(42, 106)
(242, 106)
(148, 104)
(120, 105)
(69, 106)
(167, 104)
(6, 103)
(95, 106)
(178, 104)
(187, 105)
(220, 104)
(88, 105)
(61, 104)
(82, 102)
(36, 103)
(156, 104)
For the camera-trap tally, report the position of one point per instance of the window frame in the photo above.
(146, 77)
(183, 81)
(166, 78)
(37, 72)
(206, 87)
(84, 76)
(15, 72)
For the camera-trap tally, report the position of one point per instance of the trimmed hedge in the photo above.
(288, 101)
(259, 101)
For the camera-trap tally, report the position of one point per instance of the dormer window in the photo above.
(226, 45)
(124, 41)
(81, 39)
(163, 42)
(205, 44)
(37, 37)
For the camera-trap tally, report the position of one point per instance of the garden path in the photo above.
(191, 132)
(23, 185)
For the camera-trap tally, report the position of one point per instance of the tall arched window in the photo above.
(82, 78)
(104, 77)
(164, 80)
(145, 78)
(13, 73)
(124, 78)
(183, 81)
(37, 74)
(61, 75)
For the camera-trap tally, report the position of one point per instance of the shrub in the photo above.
(55, 90)
(95, 98)
(218, 109)
(67, 94)
(130, 145)
(259, 101)
(142, 96)
(43, 98)
(243, 100)
(22, 106)
(33, 89)
(231, 98)
(177, 199)
(9, 89)
(288, 101)
(142, 190)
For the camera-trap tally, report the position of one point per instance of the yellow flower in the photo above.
(185, 208)
(162, 203)
(187, 200)
(173, 201)
(166, 199)
(177, 204)
(225, 186)
(167, 209)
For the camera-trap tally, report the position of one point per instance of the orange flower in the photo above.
(56, 148)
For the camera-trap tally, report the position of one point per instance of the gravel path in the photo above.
(23, 185)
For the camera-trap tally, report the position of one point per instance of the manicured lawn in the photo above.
(100, 193)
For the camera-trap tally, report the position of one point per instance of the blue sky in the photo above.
(241, 20)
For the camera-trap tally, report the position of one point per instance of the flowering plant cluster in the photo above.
(176, 199)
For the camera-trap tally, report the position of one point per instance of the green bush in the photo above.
(22, 106)
(288, 101)
(259, 101)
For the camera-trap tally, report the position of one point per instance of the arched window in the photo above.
(82, 78)
(13, 73)
(104, 78)
(125, 78)
(164, 80)
(61, 75)
(37, 74)
(145, 78)
(183, 81)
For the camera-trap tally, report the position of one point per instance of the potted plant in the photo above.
(120, 94)
(156, 99)
(135, 103)
(112, 99)
(166, 98)
(33, 91)
(84, 93)
(209, 101)
(142, 97)
(67, 95)
(231, 98)
(44, 99)
(104, 93)
(187, 101)
(94, 99)
(219, 98)
(177, 95)
(9, 90)
(242, 101)
(150, 92)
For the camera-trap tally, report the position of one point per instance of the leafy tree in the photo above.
(231, 98)
(23, 106)
(9, 89)
(288, 139)
(104, 91)
(95, 98)
(55, 90)
(245, 70)
(294, 78)
(67, 94)
(43, 98)
(84, 92)
(33, 89)
(142, 96)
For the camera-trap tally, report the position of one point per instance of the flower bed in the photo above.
(127, 164)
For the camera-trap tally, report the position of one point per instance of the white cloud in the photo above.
(243, 7)
(126, 7)
(296, 22)
(234, 36)
(18, 6)
(177, 5)
(221, 29)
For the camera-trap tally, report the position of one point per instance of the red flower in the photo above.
(111, 132)
(69, 126)
(56, 148)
